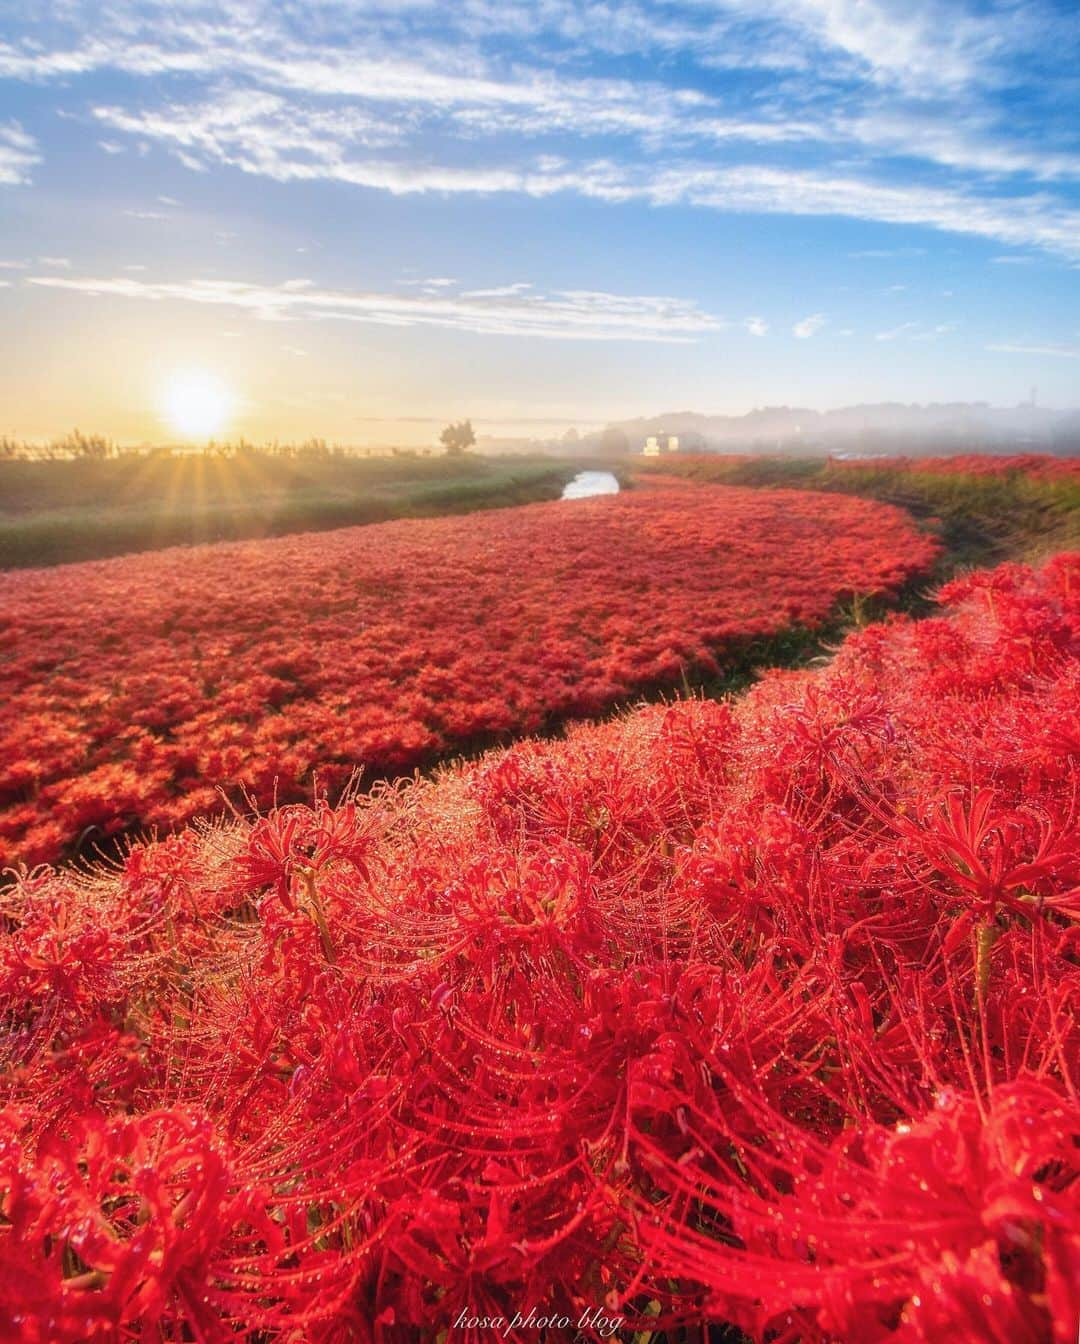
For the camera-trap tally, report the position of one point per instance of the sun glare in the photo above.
(196, 404)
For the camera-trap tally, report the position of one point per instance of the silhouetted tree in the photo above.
(457, 438)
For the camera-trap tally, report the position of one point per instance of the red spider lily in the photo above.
(677, 1017)
(885, 1230)
(120, 1222)
(977, 851)
(137, 687)
(307, 840)
(1033, 465)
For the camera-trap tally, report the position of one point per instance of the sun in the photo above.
(196, 404)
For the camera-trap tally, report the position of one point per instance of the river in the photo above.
(587, 483)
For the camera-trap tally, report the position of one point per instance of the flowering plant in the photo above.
(758, 1013)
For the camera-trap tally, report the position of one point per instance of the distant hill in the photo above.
(944, 428)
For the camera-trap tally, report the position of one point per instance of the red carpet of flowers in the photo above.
(1037, 466)
(759, 1013)
(136, 686)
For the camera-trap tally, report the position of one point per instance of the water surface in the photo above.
(587, 483)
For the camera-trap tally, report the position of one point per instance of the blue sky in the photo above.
(364, 219)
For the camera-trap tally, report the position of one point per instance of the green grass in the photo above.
(981, 520)
(54, 512)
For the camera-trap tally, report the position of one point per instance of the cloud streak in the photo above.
(1053, 351)
(255, 87)
(263, 135)
(916, 331)
(18, 155)
(809, 326)
(582, 315)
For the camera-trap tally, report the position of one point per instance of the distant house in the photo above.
(656, 444)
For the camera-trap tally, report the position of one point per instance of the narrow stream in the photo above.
(587, 483)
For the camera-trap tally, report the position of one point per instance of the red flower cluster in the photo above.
(759, 1013)
(135, 687)
(1038, 466)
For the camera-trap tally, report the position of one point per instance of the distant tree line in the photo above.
(91, 447)
(79, 447)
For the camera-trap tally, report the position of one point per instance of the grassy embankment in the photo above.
(55, 512)
(981, 521)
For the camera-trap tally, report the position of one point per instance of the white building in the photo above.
(656, 444)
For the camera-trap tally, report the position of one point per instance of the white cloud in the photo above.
(756, 326)
(18, 154)
(412, 96)
(895, 333)
(561, 315)
(935, 333)
(57, 263)
(1019, 220)
(917, 45)
(972, 144)
(380, 80)
(903, 42)
(916, 331)
(1054, 351)
(498, 292)
(809, 326)
(263, 134)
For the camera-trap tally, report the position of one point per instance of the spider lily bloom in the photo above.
(387, 646)
(668, 1018)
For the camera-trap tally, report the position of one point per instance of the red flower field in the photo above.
(1037, 466)
(136, 686)
(758, 1012)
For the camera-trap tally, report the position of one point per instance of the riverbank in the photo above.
(57, 512)
(984, 509)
